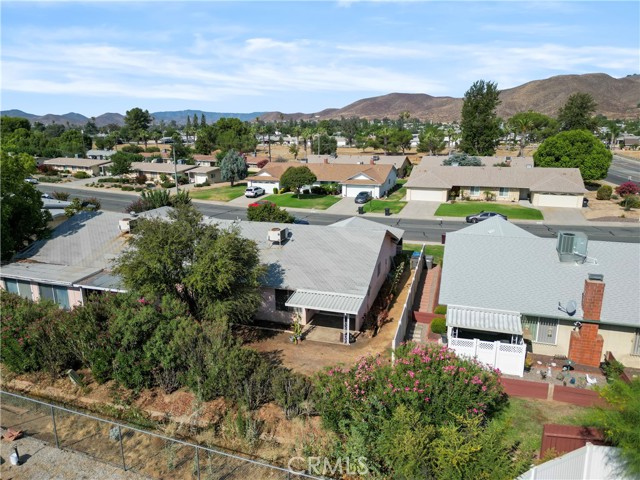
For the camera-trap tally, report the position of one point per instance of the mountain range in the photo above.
(616, 98)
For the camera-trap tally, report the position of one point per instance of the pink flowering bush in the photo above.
(627, 188)
(430, 380)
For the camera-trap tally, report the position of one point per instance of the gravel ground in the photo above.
(40, 461)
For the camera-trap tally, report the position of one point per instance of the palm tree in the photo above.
(385, 133)
(523, 127)
(307, 133)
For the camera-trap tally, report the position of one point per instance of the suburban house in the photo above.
(154, 171)
(401, 162)
(70, 265)
(375, 179)
(543, 187)
(204, 174)
(205, 160)
(159, 156)
(100, 154)
(306, 274)
(431, 161)
(87, 165)
(508, 292)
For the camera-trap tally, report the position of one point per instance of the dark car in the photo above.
(478, 217)
(300, 221)
(262, 202)
(363, 197)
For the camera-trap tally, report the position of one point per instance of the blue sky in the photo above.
(97, 57)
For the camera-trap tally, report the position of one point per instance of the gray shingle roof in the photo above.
(557, 180)
(75, 162)
(523, 274)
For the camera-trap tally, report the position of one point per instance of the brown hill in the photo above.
(616, 98)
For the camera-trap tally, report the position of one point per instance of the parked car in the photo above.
(46, 195)
(31, 180)
(252, 192)
(363, 197)
(261, 202)
(478, 217)
(300, 221)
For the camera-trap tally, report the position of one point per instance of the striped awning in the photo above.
(326, 301)
(500, 321)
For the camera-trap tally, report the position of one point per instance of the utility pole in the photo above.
(175, 166)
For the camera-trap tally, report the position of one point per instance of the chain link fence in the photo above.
(130, 448)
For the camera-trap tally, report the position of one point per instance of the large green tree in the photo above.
(431, 140)
(530, 127)
(620, 421)
(233, 167)
(214, 271)
(137, 121)
(295, 178)
(575, 149)
(323, 144)
(121, 162)
(269, 212)
(577, 113)
(23, 219)
(480, 124)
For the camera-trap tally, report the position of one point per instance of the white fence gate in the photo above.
(507, 357)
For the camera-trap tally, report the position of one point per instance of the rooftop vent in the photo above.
(598, 277)
(571, 246)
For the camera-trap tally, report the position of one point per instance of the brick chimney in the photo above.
(326, 160)
(585, 344)
(372, 161)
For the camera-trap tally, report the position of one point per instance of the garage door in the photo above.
(426, 195)
(550, 200)
(353, 190)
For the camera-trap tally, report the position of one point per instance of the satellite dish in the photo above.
(571, 308)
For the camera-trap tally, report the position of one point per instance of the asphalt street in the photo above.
(622, 170)
(416, 230)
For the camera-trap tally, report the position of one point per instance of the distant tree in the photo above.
(400, 140)
(215, 272)
(121, 162)
(90, 128)
(132, 148)
(480, 125)
(137, 119)
(463, 160)
(23, 219)
(361, 142)
(577, 113)
(431, 140)
(323, 144)
(295, 178)
(203, 120)
(11, 124)
(54, 130)
(182, 152)
(268, 212)
(73, 142)
(294, 149)
(575, 149)
(233, 167)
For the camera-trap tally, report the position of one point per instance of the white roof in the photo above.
(326, 301)
(75, 162)
(522, 273)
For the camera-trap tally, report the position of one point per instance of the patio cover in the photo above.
(500, 321)
(326, 301)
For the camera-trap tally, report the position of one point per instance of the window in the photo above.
(56, 294)
(281, 299)
(18, 287)
(503, 192)
(542, 330)
(636, 344)
(475, 191)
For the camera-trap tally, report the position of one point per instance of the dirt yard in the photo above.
(608, 210)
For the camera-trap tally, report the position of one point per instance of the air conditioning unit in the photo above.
(277, 235)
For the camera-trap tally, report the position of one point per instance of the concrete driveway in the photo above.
(419, 209)
(346, 206)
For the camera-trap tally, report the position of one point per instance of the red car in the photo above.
(262, 202)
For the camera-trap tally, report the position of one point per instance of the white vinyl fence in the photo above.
(407, 309)
(508, 357)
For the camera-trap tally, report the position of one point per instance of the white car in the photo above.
(31, 180)
(252, 192)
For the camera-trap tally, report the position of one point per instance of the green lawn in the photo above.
(436, 250)
(525, 417)
(462, 209)
(319, 202)
(223, 194)
(393, 202)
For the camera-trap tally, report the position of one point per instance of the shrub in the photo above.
(614, 197)
(138, 189)
(262, 163)
(280, 159)
(317, 190)
(292, 392)
(131, 148)
(604, 192)
(81, 175)
(268, 212)
(61, 195)
(136, 206)
(168, 184)
(152, 149)
(126, 188)
(47, 169)
(627, 188)
(612, 370)
(141, 179)
(630, 201)
(91, 203)
(275, 190)
(50, 179)
(439, 325)
(440, 310)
